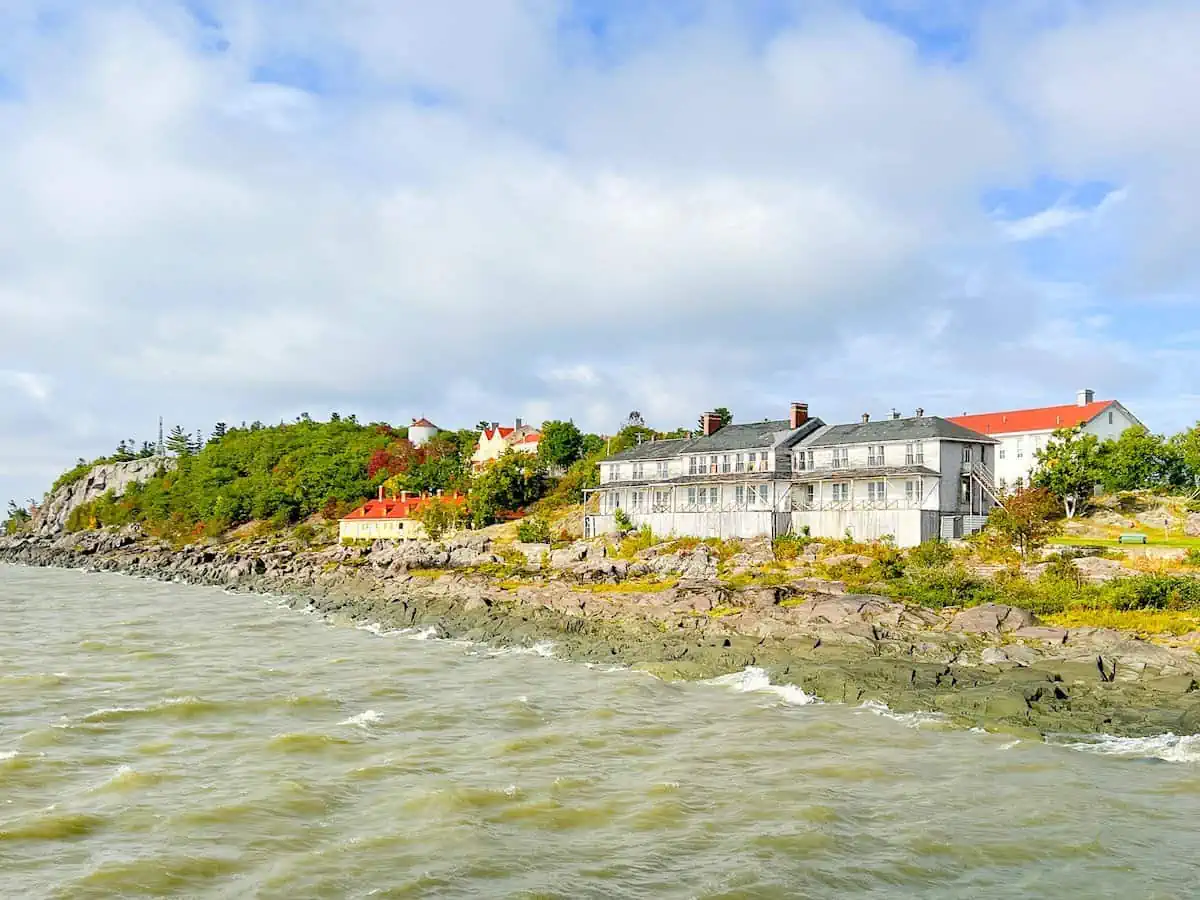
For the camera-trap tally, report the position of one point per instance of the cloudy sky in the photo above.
(480, 209)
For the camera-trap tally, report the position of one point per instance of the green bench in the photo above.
(1131, 539)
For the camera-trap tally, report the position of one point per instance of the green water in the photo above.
(163, 740)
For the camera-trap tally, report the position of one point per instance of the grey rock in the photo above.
(116, 477)
(992, 618)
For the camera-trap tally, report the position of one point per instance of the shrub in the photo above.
(1193, 557)
(533, 530)
(641, 539)
(439, 516)
(932, 554)
(622, 521)
(788, 547)
(1062, 568)
(949, 586)
(1153, 592)
(305, 534)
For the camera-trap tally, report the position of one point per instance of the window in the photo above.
(739, 495)
(875, 455)
(726, 464)
(712, 465)
(1110, 418)
(1002, 453)
(877, 491)
(613, 500)
(695, 465)
(804, 460)
(706, 498)
(691, 496)
(841, 492)
(636, 498)
(1003, 485)
(614, 473)
(913, 491)
(1020, 448)
(763, 464)
(841, 458)
(810, 494)
(662, 501)
(964, 489)
(739, 463)
(663, 470)
(966, 453)
(914, 454)
(639, 471)
(764, 495)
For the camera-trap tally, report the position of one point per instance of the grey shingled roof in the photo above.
(752, 436)
(652, 450)
(911, 429)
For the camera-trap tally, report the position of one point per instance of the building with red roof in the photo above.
(495, 440)
(422, 431)
(1023, 432)
(391, 518)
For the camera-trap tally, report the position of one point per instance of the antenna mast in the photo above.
(160, 437)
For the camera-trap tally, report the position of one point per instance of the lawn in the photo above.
(1181, 541)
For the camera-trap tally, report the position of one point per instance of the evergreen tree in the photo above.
(179, 442)
(218, 431)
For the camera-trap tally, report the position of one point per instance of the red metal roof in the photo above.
(1045, 418)
(502, 431)
(395, 508)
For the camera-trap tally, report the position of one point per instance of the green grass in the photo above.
(1182, 542)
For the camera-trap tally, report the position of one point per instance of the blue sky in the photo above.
(228, 210)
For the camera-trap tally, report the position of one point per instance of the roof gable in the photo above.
(751, 436)
(1043, 418)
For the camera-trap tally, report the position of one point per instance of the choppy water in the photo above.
(163, 740)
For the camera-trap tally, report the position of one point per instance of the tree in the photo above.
(439, 516)
(1069, 467)
(561, 444)
(1140, 460)
(1028, 518)
(507, 484)
(179, 442)
(635, 419)
(1186, 445)
(592, 444)
(218, 431)
(18, 518)
(724, 415)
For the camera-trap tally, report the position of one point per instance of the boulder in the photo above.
(1191, 525)
(568, 556)
(992, 618)
(533, 553)
(1041, 633)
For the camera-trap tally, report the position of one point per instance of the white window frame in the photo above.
(664, 469)
(639, 471)
(614, 472)
(635, 500)
(691, 496)
(661, 501)
(1002, 451)
(714, 464)
(841, 457)
(739, 495)
(875, 455)
(841, 491)
(914, 490)
(739, 462)
(877, 491)
(764, 496)
(726, 463)
(810, 494)
(1020, 448)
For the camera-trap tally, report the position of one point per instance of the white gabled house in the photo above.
(912, 478)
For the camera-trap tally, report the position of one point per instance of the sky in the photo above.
(230, 210)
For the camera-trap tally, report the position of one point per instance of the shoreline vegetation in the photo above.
(825, 616)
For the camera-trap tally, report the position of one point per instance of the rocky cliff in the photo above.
(116, 477)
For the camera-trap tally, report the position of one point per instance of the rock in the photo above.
(534, 553)
(568, 556)
(1171, 684)
(116, 477)
(1096, 569)
(847, 559)
(1191, 525)
(992, 618)
(1041, 633)
(993, 656)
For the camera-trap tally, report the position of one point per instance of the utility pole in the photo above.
(161, 447)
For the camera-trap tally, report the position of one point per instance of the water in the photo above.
(164, 740)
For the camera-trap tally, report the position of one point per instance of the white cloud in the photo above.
(470, 218)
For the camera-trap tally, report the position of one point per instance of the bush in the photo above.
(1153, 592)
(622, 521)
(932, 554)
(1193, 557)
(305, 534)
(1062, 568)
(533, 530)
(949, 586)
(788, 547)
(641, 539)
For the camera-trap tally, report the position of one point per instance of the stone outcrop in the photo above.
(993, 666)
(116, 477)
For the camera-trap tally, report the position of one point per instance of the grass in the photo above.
(1142, 621)
(633, 586)
(1182, 542)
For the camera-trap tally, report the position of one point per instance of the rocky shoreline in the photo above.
(670, 614)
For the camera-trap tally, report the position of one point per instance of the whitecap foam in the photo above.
(1168, 747)
(543, 649)
(8, 754)
(911, 719)
(377, 629)
(364, 719)
(753, 680)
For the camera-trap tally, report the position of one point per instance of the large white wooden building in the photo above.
(911, 478)
(1021, 433)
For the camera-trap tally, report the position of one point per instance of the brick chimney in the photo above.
(381, 492)
(709, 423)
(1084, 397)
(799, 415)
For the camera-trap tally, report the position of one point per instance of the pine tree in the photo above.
(218, 432)
(179, 442)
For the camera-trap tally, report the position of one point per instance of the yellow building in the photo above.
(389, 518)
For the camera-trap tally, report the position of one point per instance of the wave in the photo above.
(544, 649)
(170, 707)
(364, 719)
(1167, 747)
(753, 680)
(911, 719)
